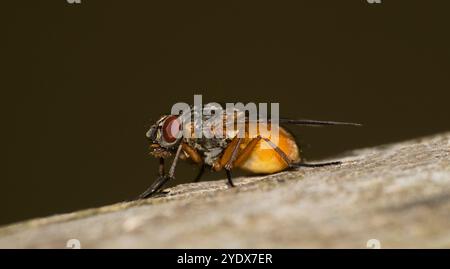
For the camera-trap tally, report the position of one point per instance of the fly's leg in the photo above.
(174, 163)
(232, 156)
(229, 164)
(297, 165)
(196, 158)
(279, 151)
(161, 167)
(229, 177)
(192, 153)
(247, 150)
(162, 179)
(200, 173)
(229, 155)
(154, 188)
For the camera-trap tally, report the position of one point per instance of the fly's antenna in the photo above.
(317, 122)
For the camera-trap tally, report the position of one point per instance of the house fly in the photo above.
(228, 152)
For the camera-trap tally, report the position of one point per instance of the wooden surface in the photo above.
(398, 195)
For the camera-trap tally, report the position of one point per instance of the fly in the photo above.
(244, 152)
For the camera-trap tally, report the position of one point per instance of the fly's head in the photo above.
(164, 136)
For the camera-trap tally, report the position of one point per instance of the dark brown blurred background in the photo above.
(82, 82)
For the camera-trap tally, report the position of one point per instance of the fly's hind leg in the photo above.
(297, 165)
(233, 157)
(293, 165)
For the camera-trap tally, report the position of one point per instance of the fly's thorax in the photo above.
(209, 148)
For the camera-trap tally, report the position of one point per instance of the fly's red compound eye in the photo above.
(171, 128)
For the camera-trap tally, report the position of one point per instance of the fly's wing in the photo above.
(306, 122)
(229, 124)
(317, 122)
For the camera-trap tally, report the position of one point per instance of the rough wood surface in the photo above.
(398, 194)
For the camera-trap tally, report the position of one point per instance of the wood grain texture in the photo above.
(398, 194)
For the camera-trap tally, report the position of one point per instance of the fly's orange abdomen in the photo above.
(263, 159)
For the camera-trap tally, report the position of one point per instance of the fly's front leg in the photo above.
(162, 179)
(196, 158)
(157, 184)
